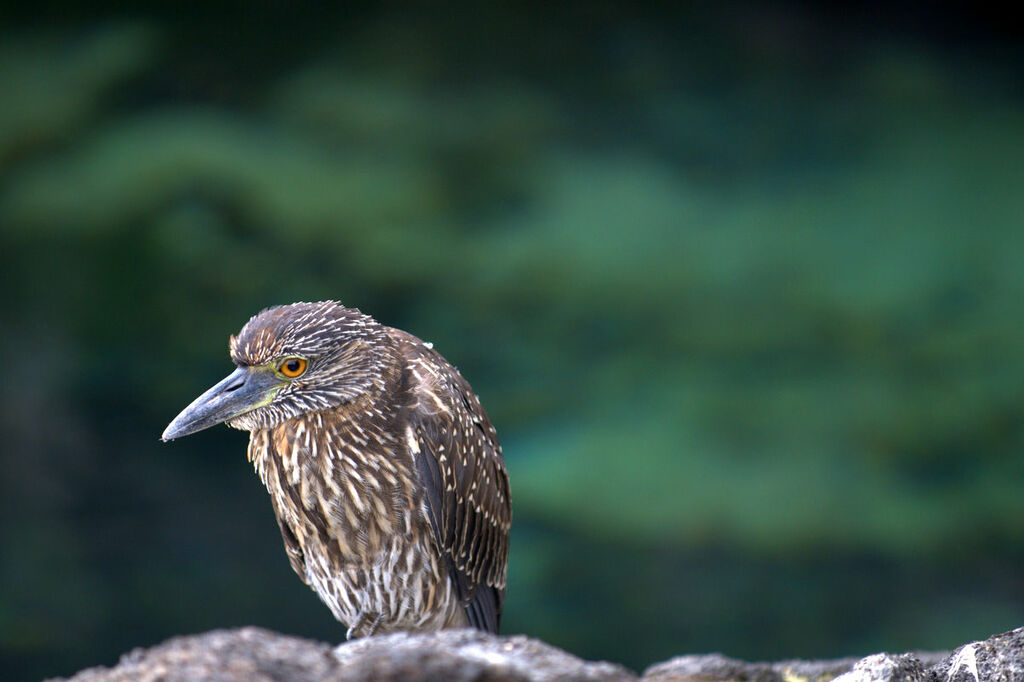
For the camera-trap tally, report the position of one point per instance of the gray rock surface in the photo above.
(718, 667)
(904, 668)
(257, 655)
(223, 656)
(999, 658)
(463, 655)
(467, 655)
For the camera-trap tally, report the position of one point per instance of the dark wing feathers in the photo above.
(460, 464)
(291, 545)
(429, 471)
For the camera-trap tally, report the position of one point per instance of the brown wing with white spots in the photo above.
(459, 462)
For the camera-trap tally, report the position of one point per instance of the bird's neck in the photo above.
(338, 443)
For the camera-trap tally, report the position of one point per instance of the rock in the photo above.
(718, 667)
(257, 655)
(998, 659)
(467, 655)
(223, 656)
(887, 668)
(264, 656)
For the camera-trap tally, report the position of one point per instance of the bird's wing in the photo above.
(291, 545)
(459, 461)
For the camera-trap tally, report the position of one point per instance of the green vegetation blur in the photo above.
(742, 289)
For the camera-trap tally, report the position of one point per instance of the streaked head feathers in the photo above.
(304, 329)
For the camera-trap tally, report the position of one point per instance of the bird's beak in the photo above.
(243, 390)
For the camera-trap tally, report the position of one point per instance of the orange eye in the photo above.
(292, 367)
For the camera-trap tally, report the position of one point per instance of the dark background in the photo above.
(741, 286)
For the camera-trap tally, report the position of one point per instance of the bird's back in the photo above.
(461, 468)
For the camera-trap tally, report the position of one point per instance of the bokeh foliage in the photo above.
(745, 306)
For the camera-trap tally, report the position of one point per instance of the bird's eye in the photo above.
(292, 367)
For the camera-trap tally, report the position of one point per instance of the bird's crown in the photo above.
(304, 329)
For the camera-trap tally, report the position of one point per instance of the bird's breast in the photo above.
(351, 480)
(349, 498)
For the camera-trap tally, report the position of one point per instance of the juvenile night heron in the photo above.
(385, 474)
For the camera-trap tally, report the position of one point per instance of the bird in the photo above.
(384, 471)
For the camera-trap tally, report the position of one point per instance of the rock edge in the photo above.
(259, 655)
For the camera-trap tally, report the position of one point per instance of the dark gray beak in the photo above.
(243, 390)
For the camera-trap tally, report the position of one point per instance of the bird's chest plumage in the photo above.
(353, 517)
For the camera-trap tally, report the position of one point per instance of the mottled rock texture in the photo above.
(463, 655)
(717, 667)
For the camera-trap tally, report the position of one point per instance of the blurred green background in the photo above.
(741, 286)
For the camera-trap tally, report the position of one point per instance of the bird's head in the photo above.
(291, 360)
